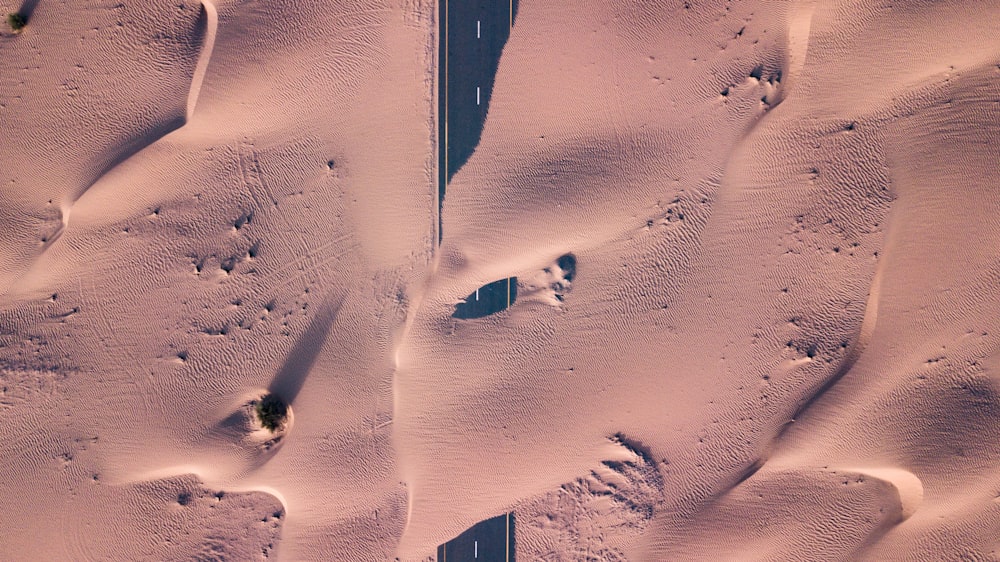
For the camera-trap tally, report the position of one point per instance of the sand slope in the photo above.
(196, 216)
(779, 342)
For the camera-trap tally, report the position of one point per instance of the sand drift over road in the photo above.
(710, 280)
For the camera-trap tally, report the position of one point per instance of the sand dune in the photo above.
(754, 243)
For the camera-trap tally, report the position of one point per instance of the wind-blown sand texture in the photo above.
(780, 340)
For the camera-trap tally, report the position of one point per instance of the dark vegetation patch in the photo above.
(271, 411)
(16, 21)
(567, 263)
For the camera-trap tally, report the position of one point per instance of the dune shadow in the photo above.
(132, 147)
(236, 423)
(27, 8)
(289, 379)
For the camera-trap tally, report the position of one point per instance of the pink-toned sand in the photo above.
(780, 343)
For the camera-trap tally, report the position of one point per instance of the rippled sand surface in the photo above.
(778, 339)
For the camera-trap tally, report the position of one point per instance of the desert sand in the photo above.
(780, 341)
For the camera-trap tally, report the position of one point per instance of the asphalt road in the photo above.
(473, 34)
(487, 541)
(488, 299)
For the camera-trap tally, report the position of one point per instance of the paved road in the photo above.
(473, 34)
(487, 541)
(488, 299)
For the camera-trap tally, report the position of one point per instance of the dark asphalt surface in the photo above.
(469, 57)
(474, 33)
(487, 541)
(489, 299)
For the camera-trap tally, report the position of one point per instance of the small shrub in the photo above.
(16, 21)
(272, 412)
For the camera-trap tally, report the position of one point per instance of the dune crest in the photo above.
(211, 23)
(709, 280)
(907, 485)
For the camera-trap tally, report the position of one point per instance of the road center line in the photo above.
(477, 95)
(477, 29)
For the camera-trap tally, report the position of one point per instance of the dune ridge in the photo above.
(753, 244)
